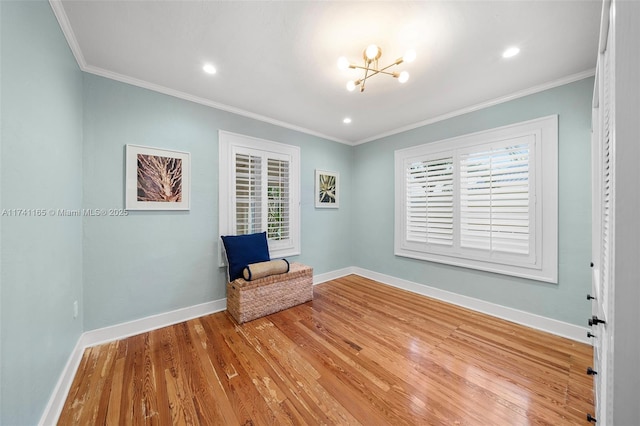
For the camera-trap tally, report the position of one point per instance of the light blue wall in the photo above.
(154, 262)
(41, 168)
(373, 207)
(63, 136)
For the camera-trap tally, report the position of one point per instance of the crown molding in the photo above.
(65, 25)
(67, 30)
(206, 102)
(522, 93)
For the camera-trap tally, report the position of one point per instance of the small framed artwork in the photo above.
(327, 189)
(157, 179)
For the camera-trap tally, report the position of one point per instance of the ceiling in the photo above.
(276, 60)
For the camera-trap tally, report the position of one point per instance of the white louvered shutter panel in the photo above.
(248, 193)
(416, 209)
(605, 249)
(278, 193)
(430, 201)
(495, 197)
(440, 202)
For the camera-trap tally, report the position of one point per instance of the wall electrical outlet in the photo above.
(75, 309)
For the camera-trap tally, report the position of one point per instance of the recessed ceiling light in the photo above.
(347, 120)
(209, 69)
(510, 52)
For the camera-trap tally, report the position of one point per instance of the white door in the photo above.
(602, 236)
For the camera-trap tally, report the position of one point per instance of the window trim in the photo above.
(229, 143)
(545, 199)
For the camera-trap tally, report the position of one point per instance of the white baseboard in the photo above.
(59, 395)
(328, 276)
(142, 325)
(131, 328)
(538, 322)
(115, 332)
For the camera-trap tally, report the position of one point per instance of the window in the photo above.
(260, 191)
(485, 201)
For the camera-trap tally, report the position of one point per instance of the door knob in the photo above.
(590, 297)
(591, 371)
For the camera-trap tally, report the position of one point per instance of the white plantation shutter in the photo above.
(248, 190)
(488, 200)
(606, 170)
(262, 196)
(430, 201)
(278, 199)
(495, 213)
(259, 190)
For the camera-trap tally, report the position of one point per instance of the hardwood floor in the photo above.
(359, 353)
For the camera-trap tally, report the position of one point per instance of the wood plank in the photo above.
(360, 353)
(243, 396)
(178, 381)
(158, 382)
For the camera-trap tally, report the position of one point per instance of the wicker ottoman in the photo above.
(248, 300)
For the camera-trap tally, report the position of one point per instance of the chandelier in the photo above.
(371, 67)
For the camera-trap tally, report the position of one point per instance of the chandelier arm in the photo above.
(363, 68)
(381, 72)
(389, 66)
(375, 71)
(372, 69)
(364, 80)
